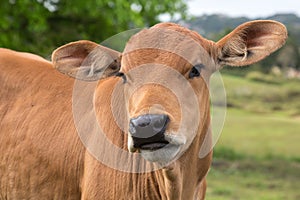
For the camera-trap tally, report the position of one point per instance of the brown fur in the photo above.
(42, 156)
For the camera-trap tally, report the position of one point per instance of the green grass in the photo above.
(263, 97)
(261, 135)
(248, 179)
(258, 154)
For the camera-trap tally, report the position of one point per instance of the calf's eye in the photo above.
(196, 71)
(121, 74)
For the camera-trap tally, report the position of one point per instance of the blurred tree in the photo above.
(289, 55)
(39, 26)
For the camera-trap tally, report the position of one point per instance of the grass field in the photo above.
(258, 153)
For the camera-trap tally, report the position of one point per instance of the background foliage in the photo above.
(39, 26)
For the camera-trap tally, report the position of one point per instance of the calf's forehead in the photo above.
(166, 46)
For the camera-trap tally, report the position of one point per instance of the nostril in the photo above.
(158, 124)
(161, 122)
(141, 121)
(132, 129)
(144, 124)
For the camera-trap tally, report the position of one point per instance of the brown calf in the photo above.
(135, 134)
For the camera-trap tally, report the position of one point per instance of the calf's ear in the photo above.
(250, 42)
(86, 60)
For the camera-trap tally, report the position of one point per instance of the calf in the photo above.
(131, 125)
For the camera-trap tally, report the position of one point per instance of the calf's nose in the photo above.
(147, 131)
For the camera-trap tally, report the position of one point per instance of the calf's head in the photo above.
(164, 75)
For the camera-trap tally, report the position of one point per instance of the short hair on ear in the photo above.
(86, 60)
(251, 42)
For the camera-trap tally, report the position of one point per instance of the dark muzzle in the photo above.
(148, 131)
